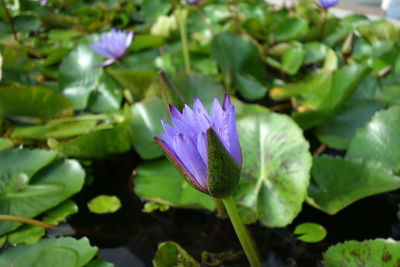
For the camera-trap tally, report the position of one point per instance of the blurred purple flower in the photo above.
(41, 2)
(325, 4)
(185, 144)
(112, 45)
(193, 1)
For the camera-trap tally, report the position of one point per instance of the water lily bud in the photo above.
(205, 147)
(112, 45)
(325, 4)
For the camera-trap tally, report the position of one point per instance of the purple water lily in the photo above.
(193, 1)
(112, 45)
(325, 4)
(41, 2)
(186, 144)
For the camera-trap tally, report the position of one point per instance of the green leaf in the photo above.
(104, 204)
(26, 23)
(63, 252)
(237, 54)
(59, 213)
(99, 263)
(338, 182)
(5, 143)
(159, 181)
(145, 123)
(96, 144)
(206, 88)
(106, 97)
(79, 75)
(338, 131)
(379, 139)
(326, 94)
(276, 165)
(369, 253)
(290, 29)
(67, 127)
(292, 60)
(27, 234)
(33, 102)
(310, 232)
(223, 170)
(249, 87)
(138, 82)
(32, 181)
(315, 52)
(171, 254)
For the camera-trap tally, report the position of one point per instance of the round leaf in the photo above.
(145, 124)
(48, 252)
(30, 184)
(370, 253)
(310, 232)
(338, 182)
(79, 75)
(159, 181)
(276, 165)
(379, 139)
(104, 204)
(37, 102)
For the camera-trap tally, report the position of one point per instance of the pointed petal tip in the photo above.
(226, 102)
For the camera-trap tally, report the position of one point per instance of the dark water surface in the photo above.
(130, 237)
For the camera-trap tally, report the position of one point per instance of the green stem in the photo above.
(181, 16)
(4, 217)
(241, 232)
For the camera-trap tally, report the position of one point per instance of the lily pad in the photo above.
(338, 132)
(379, 139)
(338, 182)
(310, 232)
(206, 88)
(144, 124)
(33, 181)
(79, 75)
(158, 181)
(33, 102)
(113, 140)
(237, 54)
(27, 234)
(58, 214)
(276, 165)
(63, 252)
(369, 253)
(104, 204)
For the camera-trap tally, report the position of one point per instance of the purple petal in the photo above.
(174, 112)
(107, 62)
(129, 39)
(188, 154)
(216, 113)
(198, 107)
(202, 146)
(231, 136)
(226, 102)
(178, 163)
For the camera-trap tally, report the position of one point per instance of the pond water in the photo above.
(130, 237)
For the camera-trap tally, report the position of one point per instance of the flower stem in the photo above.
(181, 16)
(4, 217)
(241, 232)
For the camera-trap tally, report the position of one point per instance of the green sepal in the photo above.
(223, 170)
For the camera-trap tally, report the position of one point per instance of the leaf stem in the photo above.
(241, 232)
(181, 16)
(4, 217)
